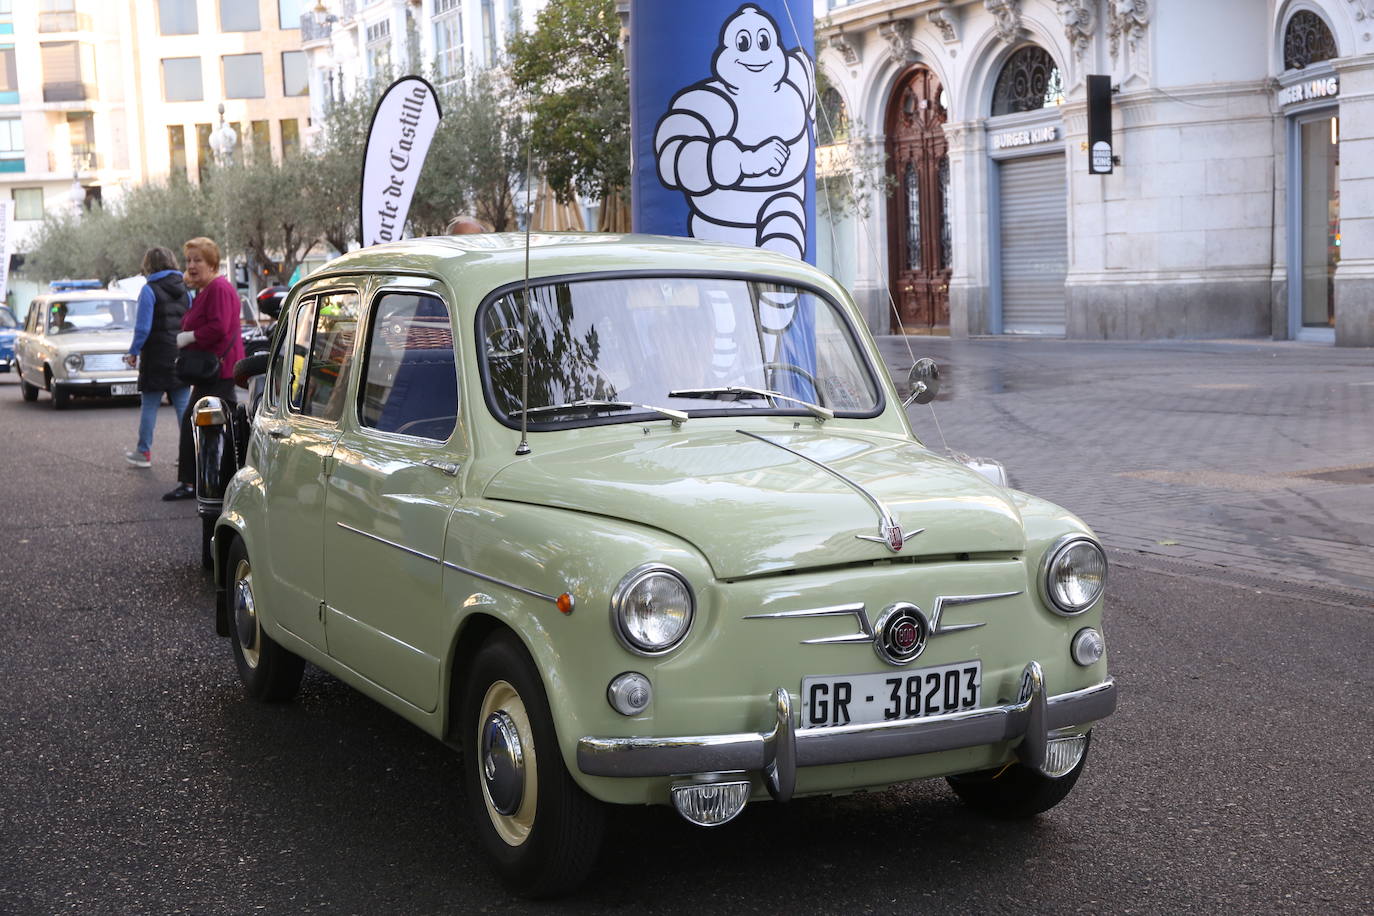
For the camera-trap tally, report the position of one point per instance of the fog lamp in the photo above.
(1063, 754)
(630, 693)
(710, 804)
(74, 363)
(1087, 647)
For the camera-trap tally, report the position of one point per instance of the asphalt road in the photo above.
(135, 777)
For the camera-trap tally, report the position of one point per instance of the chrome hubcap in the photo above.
(245, 614)
(503, 762)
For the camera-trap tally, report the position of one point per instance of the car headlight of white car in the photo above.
(74, 362)
(652, 609)
(1074, 575)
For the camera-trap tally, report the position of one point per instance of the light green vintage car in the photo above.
(647, 525)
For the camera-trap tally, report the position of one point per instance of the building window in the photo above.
(1306, 41)
(28, 203)
(290, 138)
(181, 79)
(11, 145)
(68, 71)
(9, 76)
(289, 14)
(260, 138)
(379, 47)
(832, 121)
(489, 32)
(238, 16)
(448, 38)
(295, 77)
(205, 154)
(6, 7)
(176, 143)
(243, 76)
(1030, 81)
(177, 17)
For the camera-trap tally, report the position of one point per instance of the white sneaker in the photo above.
(139, 459)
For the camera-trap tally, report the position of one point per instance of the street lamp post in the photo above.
(223, 140)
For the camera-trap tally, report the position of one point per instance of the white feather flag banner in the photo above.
(402, 128)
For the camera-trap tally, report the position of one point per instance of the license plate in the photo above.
(862, 699)
(117, 390)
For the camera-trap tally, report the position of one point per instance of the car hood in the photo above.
(93, 341)
(753, 506)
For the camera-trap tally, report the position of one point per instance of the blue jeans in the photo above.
(147, 418)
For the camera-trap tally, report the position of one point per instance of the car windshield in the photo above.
(604, 350)
(72, 315)
(7, 320)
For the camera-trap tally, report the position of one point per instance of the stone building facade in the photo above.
(1240, 202)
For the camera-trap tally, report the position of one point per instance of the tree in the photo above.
(484, 149)
(571, 69)
(264, 207)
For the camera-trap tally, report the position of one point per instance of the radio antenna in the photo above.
(524, 447)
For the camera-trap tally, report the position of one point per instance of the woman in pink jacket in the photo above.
(212, 325)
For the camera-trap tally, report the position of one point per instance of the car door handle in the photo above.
(277, 430)
(447, 467)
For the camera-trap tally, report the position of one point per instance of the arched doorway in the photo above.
(919, 241)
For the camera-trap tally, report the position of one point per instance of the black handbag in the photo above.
(198, 367)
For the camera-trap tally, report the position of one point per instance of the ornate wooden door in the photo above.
(919, 252)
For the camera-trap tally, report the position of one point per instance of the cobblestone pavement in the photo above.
(1253, 459)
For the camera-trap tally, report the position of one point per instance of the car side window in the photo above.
(336, 329)
(410, 381)
(303, 330)
(275, 368)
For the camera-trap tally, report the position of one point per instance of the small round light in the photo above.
(652, 610)
(75, 362)
(1087, 647)
(630, 693)
(1075, 573)
(564, 603)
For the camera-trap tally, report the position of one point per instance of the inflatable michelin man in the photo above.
(738, 144)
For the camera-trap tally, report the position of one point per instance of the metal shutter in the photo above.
(1035, 244)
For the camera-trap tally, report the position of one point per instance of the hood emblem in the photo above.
(889, 532)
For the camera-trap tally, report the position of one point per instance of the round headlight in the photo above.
(652, 609)
(1075, 574)
(74, 363)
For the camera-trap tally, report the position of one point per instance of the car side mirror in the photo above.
(924, 382)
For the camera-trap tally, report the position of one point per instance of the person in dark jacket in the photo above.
(161, 306)
(214, 325)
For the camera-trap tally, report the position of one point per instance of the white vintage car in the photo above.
(73, 344)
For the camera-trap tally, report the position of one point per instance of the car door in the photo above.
(298, 447)
(396, 477)
(24, 344)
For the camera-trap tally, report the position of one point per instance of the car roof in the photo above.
(76, 294)
(494, 259)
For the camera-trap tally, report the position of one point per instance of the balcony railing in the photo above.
(64, 22)
(69, 92)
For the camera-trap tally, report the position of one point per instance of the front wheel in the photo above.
(61, 397)
(541, 831)
(269, 672)
(1015, 791)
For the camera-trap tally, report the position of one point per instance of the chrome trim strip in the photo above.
(454, 566)
(886, 520)
(756, 751)
(865, 633)
(381, 540)
(944, 601)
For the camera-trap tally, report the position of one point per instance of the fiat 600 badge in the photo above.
(641, 521)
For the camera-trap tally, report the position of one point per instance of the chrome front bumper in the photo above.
(89, 382)
(778, 753)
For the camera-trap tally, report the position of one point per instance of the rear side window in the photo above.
(300, 351)
(410, 382)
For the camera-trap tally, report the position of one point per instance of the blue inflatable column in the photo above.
(722, 108)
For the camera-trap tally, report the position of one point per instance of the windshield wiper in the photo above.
(744, 393)
(592, 405)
